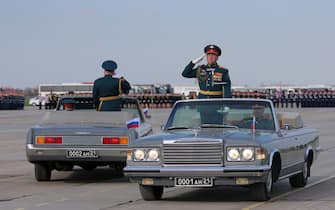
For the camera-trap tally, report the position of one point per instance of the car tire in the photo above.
(262, 191)
(89, 167)
(151, 193)
(300, 180)
(42, 172)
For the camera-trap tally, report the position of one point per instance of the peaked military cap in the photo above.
(212, 49)
(109, 65)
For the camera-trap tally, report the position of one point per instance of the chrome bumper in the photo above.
(221, 175)
(35, 154)
(227, 171)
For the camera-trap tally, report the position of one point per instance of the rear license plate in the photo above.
(194, 182)
(81, 154)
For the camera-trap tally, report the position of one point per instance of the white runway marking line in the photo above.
(63, 199)
(41, 204)
(253, 206)
(20, 209)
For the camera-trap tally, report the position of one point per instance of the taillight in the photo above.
(123, 140)
(49, 140)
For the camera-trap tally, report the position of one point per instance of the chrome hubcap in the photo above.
(269, 182)
(304, 170)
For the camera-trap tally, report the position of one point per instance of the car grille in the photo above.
(193, 153)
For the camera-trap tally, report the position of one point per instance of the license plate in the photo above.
(82, 154)
(194, 182)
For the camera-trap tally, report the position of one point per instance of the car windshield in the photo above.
(84, 105)
(233, 114)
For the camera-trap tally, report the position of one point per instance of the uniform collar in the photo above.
(215, 65)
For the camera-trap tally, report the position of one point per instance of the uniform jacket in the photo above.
(206, 77)
(108, 86)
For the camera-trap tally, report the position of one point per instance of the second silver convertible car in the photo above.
(76, 134)
(234, 142)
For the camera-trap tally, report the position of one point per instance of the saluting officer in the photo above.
(211, 77)
(108, 89)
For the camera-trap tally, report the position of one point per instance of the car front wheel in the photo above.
(151, 193)
(262, 191)
(300, 180)
(42, 172)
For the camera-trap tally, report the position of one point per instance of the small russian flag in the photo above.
(134, 123)
(146, 111)
(253, 124)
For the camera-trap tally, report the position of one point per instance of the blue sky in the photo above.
(152, 41)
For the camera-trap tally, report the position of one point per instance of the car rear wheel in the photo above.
(89, 167)
(262, 191)
(151, 193)
(300, 180)
(42, 172)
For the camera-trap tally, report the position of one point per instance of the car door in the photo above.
(291, 152)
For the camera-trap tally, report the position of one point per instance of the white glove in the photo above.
(116, 75)
(197, 60)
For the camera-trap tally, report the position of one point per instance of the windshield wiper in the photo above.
(177, 128)
(218, 126)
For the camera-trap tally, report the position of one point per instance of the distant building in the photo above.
(65, 88)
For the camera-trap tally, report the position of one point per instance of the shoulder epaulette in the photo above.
(222, 67)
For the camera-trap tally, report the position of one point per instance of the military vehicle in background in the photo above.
(11, 99)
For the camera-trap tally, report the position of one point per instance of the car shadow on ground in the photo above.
(222, 193)
(78, 175)
(216, 194)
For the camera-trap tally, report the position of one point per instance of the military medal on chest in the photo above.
(213, 77)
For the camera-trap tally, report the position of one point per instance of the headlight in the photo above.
(240, 153)
(146, 155)
(248, 154)
(233, 154)
(153, 155)
(139, 155)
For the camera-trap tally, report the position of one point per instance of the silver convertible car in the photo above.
(231, 142)
(76, 134)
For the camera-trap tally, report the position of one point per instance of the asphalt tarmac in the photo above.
(104, 189)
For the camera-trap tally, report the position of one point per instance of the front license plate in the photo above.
(194, 182)
(81, 154)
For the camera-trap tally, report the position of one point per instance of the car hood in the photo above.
(240, 137)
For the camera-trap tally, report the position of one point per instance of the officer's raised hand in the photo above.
(198, 60)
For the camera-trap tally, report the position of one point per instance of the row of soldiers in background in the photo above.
(283, 99)
(154, 101)
(151, 101)
(307, 98)
(293, 99)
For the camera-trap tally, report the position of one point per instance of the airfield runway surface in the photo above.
(104, 189)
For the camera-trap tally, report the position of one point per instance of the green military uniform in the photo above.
(107, 90)
(207, 77)
(214, 82)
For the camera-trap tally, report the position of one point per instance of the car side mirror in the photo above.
(162, 127)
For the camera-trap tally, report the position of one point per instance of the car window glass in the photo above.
(236, 113)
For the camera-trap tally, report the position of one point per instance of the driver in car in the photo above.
(262, 121)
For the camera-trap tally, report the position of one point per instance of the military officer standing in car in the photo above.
(108, 89)
(213, 80)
